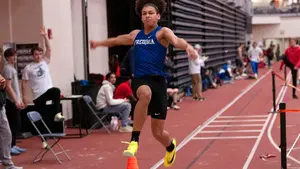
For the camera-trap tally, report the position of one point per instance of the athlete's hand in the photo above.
(192, 53)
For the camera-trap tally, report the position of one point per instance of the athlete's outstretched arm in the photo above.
(179, 42)
(126, 39)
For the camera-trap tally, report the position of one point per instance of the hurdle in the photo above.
(274, 75)
(274, 87)
(283, 146)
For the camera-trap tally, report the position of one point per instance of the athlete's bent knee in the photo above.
(144, 93)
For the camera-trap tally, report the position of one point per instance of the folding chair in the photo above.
(34, 117)
(100, 115)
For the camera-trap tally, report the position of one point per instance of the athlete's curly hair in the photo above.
(160, 4)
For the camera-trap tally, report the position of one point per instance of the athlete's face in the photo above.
(150, 16)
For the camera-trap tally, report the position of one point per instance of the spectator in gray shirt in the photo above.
(13, 98)
(5, 139)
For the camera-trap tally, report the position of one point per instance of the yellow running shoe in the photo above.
(170, 156)
(132, 149)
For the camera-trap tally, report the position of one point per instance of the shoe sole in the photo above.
(128, 154)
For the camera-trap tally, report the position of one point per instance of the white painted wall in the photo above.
(288, 27)
(97, 20)
(4, 22)
(77, 29)
(62, 62)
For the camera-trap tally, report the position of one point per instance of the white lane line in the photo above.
(290, 150)
(232, 117)
(199, 128)
(278, 99)
(252, 120)
(232, 131)
(236, 125)
(224, 138)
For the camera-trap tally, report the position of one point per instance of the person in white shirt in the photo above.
(36, 76)
(106, 103)
(195, 72)
(255, 54)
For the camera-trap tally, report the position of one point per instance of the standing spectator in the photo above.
(270, 55)
(36, 76)
(5, 139)
(14, 101)
(277, 52)
(240, 60)
(292, 60)
(195, 70)
(255, 54)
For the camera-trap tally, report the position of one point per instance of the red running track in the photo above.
(230, 132)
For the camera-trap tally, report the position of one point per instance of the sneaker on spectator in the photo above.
(21, 150)
(12, 167)
(58, 117)
(125, 129)
(14, 152)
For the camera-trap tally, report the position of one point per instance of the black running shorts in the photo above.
(159, 102)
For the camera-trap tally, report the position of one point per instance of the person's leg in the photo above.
(14, 119)
(40, 107)
(294, 79)
(10, 114)
(141, 110)
(173, 98)
(253, 66)
(256, 68)
(53, 94)
(143, 93)
(5, 141)
(199, 88)
(158, 110)
(194, 86)
(124, 110)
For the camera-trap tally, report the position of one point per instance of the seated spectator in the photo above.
(172, 92)
(225, 74)
(106, 103)
(124, 91)
(209, 81)
(173, 98)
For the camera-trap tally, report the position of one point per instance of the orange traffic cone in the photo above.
(132, 163)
